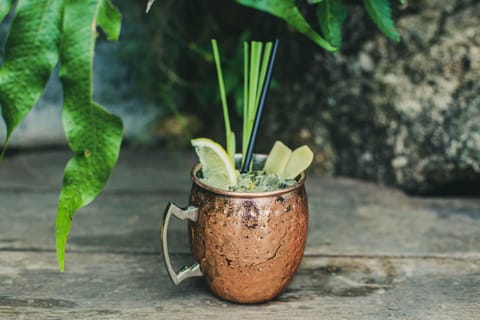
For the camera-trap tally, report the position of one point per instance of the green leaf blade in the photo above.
(5, 6)
(110, 20)
(229, 135)
(255, 60)
(263, 71)
(288, 11)
(246, 81)
(31, 54)
(93, 134)
(331, 15)
(381, 14)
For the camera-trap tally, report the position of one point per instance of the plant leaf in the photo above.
(331, 14)
(288, 11)
(93, 134)
(379, 11)
(5, 6)
(31, 53)
(110, 20)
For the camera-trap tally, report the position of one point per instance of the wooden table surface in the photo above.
(372, 252)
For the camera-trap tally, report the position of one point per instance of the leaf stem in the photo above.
(269, 60)
(230, 146)
(245, 98)
(253, 89)
(263, 72)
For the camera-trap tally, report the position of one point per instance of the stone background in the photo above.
(405, 114)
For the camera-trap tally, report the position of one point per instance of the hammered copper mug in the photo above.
(247, 246)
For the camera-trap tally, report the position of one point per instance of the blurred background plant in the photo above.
(177, 52)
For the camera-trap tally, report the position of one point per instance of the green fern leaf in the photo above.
(331, 14)
(93, 134)
(5, 6)
(379, 11)
(31, 53)
(110, 20)
(288, 11)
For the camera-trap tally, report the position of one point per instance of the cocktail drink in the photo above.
(247, 245)
(247, 219)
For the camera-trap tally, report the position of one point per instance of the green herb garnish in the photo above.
(230, 135)
(256, 58)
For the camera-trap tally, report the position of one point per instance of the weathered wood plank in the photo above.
(115, 223)
(347, 217)
(373, 253)
(137, 170)
(126, 286)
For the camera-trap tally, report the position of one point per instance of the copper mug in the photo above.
(247, 246)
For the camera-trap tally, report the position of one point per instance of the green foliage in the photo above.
(232, 70)
(379, 11)
(288, 11)
(257, 55)
(256, 58)
(93, 134)
(331, 14)
(229, 134)
(4, 8)
(44, 33)
(109, 19)
(31, 53)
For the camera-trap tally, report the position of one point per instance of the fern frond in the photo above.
(381, 14)
(331, 14)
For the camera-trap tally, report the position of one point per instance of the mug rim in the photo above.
(239, 194)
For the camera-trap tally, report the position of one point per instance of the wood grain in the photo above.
(372, 252)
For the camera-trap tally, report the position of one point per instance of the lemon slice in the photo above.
(217, 168)
(277, 159)
(299, 161)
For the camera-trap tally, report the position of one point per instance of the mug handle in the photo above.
(190, 213)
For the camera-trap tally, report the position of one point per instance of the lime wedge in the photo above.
(217, 168)
(277, 159)
(299, 161)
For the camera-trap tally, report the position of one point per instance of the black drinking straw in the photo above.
(258, 114)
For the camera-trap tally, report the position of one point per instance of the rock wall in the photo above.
(406, 114)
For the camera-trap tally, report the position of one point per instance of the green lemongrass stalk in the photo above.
(252, 87)
(255, 59)
(229, 134)
(245, 136)
(263, 72)
(256, 64)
